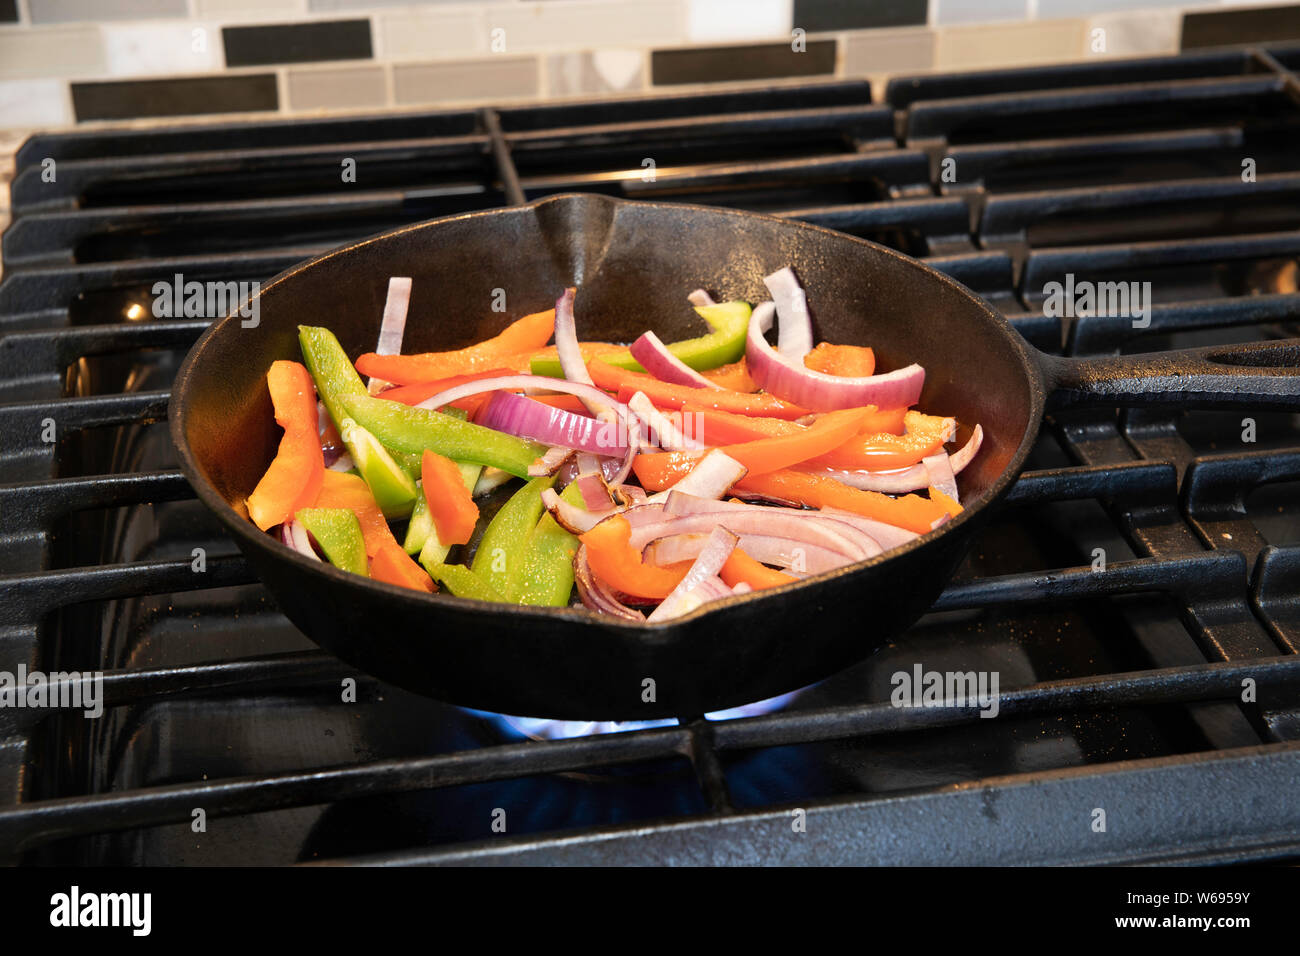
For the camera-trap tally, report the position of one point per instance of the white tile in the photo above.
(421, 34)
(244, 9)
(558, 25)
(146, 49)
(1009, 44)
(51, 51)
(733, 20)
(34, 103)
(1137, 33)
(599, 71)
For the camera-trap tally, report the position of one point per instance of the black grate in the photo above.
(1122, 686)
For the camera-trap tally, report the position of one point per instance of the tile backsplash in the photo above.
(69, 61)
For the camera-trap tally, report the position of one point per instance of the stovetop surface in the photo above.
(1121, 683)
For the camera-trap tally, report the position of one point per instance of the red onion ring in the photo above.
(525, 418)
(654, 356)
(795, 336)
(683, 599)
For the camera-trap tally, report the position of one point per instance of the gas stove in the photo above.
(1138, 597)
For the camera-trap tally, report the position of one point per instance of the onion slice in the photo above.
(701, 299)
(939, 469)
(792, 382)
(393, 328)
(795, 336)
(662, 432)
(525, 418)
(551, 462)
(903, 480)
(711, 477)
(692, 592)
(651, 352)
(595, 594)
(295, 536)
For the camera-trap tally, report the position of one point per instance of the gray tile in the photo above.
(498, 77)
(818, 16)
(343, 88)
(888, 51)
(67, 11)
(1005, 45)
(308, 42)
(737, 63)
(603, 71)
(175, 96)
(978, 11)
(51, 51)
(429, 34)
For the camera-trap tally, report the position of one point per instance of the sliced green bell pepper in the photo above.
(389, 482)
(421, 536)
(338, 532)
(463, 582)
(405, 428)
(725, 344)
(546, 576)
(501, 550)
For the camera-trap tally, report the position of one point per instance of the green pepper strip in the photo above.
(546, 576)
(463, 582)
(501, 550)
(338, 532)
(408, 429)
(725, 344)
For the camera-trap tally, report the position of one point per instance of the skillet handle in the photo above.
(1261, 375)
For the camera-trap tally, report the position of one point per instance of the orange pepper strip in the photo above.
(909, 511)
(882, 452)
(415, 393)
(388, 562)
(618, 564)
(741, 567)
(723, 428)
(734, 376)
(950, 505)
(294, 476)
(667, 395)
(451, 506)
(765, 455)
(852, 361)
(513, 349)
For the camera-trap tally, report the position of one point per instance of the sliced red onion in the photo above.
(742, 587)
(588, 464)
(393, 328)
(295, 536)
(596, 494)
(551, 462)
(792, 382)
(795, 336)
(889, 536)
(595, 594)
(766, 522)
(525, 418)
(683, 599)
(573, 519)
(939, 469)
(633, 445)
(710, 478)
(903, 480)
(824, 530)
(789, 554)
(662, 432)
(343, 462)
(490, 479)
(516, 383)
(651, 352)
(701, 299)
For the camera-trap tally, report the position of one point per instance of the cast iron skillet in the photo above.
(634, 263)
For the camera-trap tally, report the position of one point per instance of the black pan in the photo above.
(633, 264)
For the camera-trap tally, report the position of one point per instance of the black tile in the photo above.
(1224, 27)
(8, 11)
(297, 42)
(177, 96)
(757, 62)
(816, 16)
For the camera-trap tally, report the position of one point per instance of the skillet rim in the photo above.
(248, 533)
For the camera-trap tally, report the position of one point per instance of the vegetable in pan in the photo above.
(656, 477)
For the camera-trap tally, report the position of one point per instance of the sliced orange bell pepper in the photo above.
(816, 491)
(668, 396)
(734, 376)
(925, 435)
(451, 506)
(415, 393)
(388, 562)
(949, 504)
(852, 361)
(725, 428)
(512, 349)
(294, 476)
(741, 567)
(618, 564)
(764, 455)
